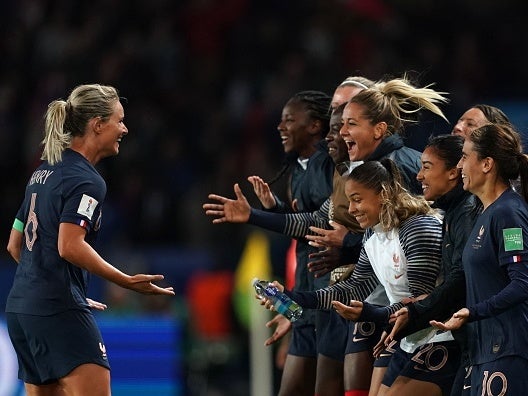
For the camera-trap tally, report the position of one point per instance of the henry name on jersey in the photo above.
(40, 177)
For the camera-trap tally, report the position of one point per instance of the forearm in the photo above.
(267, 220)
(443, 300)
(352, 244)
(14, 246)
(516, 292)
(84, 256)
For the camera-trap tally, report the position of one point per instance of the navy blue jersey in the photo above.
(495, 262)
(71, 191)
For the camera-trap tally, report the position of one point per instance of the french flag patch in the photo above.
(515, 259)
(83, 223)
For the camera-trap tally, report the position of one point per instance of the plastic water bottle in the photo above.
(281, 302)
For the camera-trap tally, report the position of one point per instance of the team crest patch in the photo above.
(513, 239)
(87, 206)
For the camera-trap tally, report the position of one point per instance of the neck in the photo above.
(490, 194)
(85, 149)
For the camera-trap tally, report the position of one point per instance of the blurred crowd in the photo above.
(205, 82)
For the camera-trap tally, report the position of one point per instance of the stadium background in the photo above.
(206, 81)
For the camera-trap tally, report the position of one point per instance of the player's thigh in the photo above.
(87, 380)
(44, 390)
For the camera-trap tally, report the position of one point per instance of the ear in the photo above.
(96, 124)
(488, 164)
(316, 127)
(379, 130)
(453, 173)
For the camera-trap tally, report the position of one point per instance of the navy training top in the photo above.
(495, 261)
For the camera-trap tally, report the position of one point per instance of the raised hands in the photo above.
(263, 192)
(228, 210)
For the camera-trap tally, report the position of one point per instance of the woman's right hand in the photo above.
(229, 210)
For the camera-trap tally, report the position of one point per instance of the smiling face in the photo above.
(337, 148)
(360, 135)
(297, 130)
(111, 131)
(436, 178)
(473, 172)
(364, 203)
(470, 120)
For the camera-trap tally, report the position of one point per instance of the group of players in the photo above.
(411, 266)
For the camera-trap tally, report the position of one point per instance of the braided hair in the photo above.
(317, 105)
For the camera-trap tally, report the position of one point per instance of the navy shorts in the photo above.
(50, 347)
(332, 334)
(504, 376)
(303, 342)
(362, 336)
(437, 362)
(385, 356)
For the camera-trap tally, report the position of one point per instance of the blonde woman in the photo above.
(58, 344)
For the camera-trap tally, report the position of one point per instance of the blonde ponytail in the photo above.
(56, 139)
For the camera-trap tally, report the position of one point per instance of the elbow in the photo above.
(13, 252)
(65, 250)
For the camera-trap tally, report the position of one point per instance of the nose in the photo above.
(351, 208)
(459, 164)
(125, 130)
(458, 129)
(419, 175)
(343, 131)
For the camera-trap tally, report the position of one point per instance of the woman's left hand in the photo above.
(96, 304)
(455, 322)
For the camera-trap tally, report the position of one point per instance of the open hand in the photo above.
(228, 210)
(282, 327)
(324, 237)
(324, 261)
(142, 283)
(263, 192)
(349, 312)
(399, 319)
(456, 321)
(96, 304)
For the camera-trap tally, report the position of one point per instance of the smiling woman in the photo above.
(51, 326)
(374, 119)
(401, 253)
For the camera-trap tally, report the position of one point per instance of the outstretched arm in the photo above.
(73, 248)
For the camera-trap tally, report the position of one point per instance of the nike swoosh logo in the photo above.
(467, 387)
(357, 339)
(398, 276)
